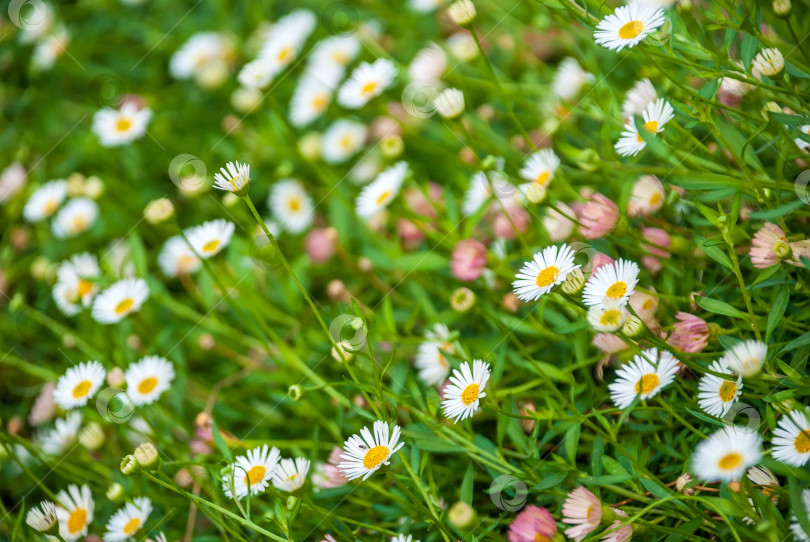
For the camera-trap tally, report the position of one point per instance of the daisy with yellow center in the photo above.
(549, 268)
(366, 82)
(342, 140)
(430, 358)
(378, 194)
(75, 286)
(63, 435)
(647, 197)
(312, 97)
(119, 127)
(583, 511)
(726, 454)
(252, 472)
(716, 394)
(234, 177)
(655, 118)
(45, 200)
(79, 384)
(148, 378)
(177, 258)
(291, 205)
(210, 238)
(607, 317)
(75, 511)
(74, 218)
(540, 167)
(119, 300)
(614, 281)
(628, 25)
(128, 520)
(466, 388)
(365, 453)
(791, 440)
(645, 376)
(290, 474)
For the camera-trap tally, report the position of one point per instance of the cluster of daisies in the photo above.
(70, 216)
(72, 514)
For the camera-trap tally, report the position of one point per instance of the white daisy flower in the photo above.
(77, 216)
(290, 474)
(483, 186)
(63, 435)
(78, 384)
(607, 317)
(425, 6)
(540, 167)
(746, 358)
(337, 51)
(791, 440)
(376, 196)
(433, 366)
(363, 455)
(646, 375)
(177, 258)
(795, 527)
(549, 268)
(769, 62)
(366, 82)
(716, 395)
(462, 396)
(449, 103)
(648, 196)
(234, 177)
(403, 538)
(256, 74)
(312, 97)
(291, 205)
(801, 143)
(115, 127)
(342, 140)
(638, 99)
(428, 66)
(251, 472)
(148, 378)
(286, 38)
(75, 512)
(45, 201)
(615, 281)
(127, 521)
(75, 285)
(50, 49)
(42, 518)
(726, 454)
(655, 118)
(627, 26)
(120, 300)
(570, 78)
(203, 49)
(211, 237)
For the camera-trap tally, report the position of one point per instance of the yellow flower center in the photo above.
(255, 475)
(210, 246)
(132, 526)
(79, 223)
(319, 102)
(123, 124)
(730, 461)
(547, 276)
(84, 287)
(285, 54)
(368, 88)
(147, 384)
(631, 30)
(340, 57)
(802, 442)
(541, 538)
(650, 126)
(375, 456)
(589, 512)
(384, 196)
(81, 389)
(611, 318)
(647, 305)
(543, 178)
(294, 204)
(77, 520)
(647, 383)
(50, 206)
(727, 391)
(124, 305)
(617, 290)
(470, 394)
(655, 199)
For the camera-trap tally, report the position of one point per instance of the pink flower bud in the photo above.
(504, 229)
(598, 216)
(468, 260)
(768, 246)
(321, 244)
(689, 333)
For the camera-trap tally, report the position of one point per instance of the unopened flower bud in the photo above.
(92, 436)
(462, 12)
(461, 515)
(309, 145)
(391, 146)
(633, 326)
(682, 480)
(462, 300)
(782, 7)
(158, 210)
(116, 377)
(147, 456)
(129, 465)
(93, 187)
(536, 193)
(574, 282)
(295, 392)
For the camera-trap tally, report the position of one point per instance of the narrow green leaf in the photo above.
(465, 494)
(719, 307)
(220, 442)
(780, 302)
